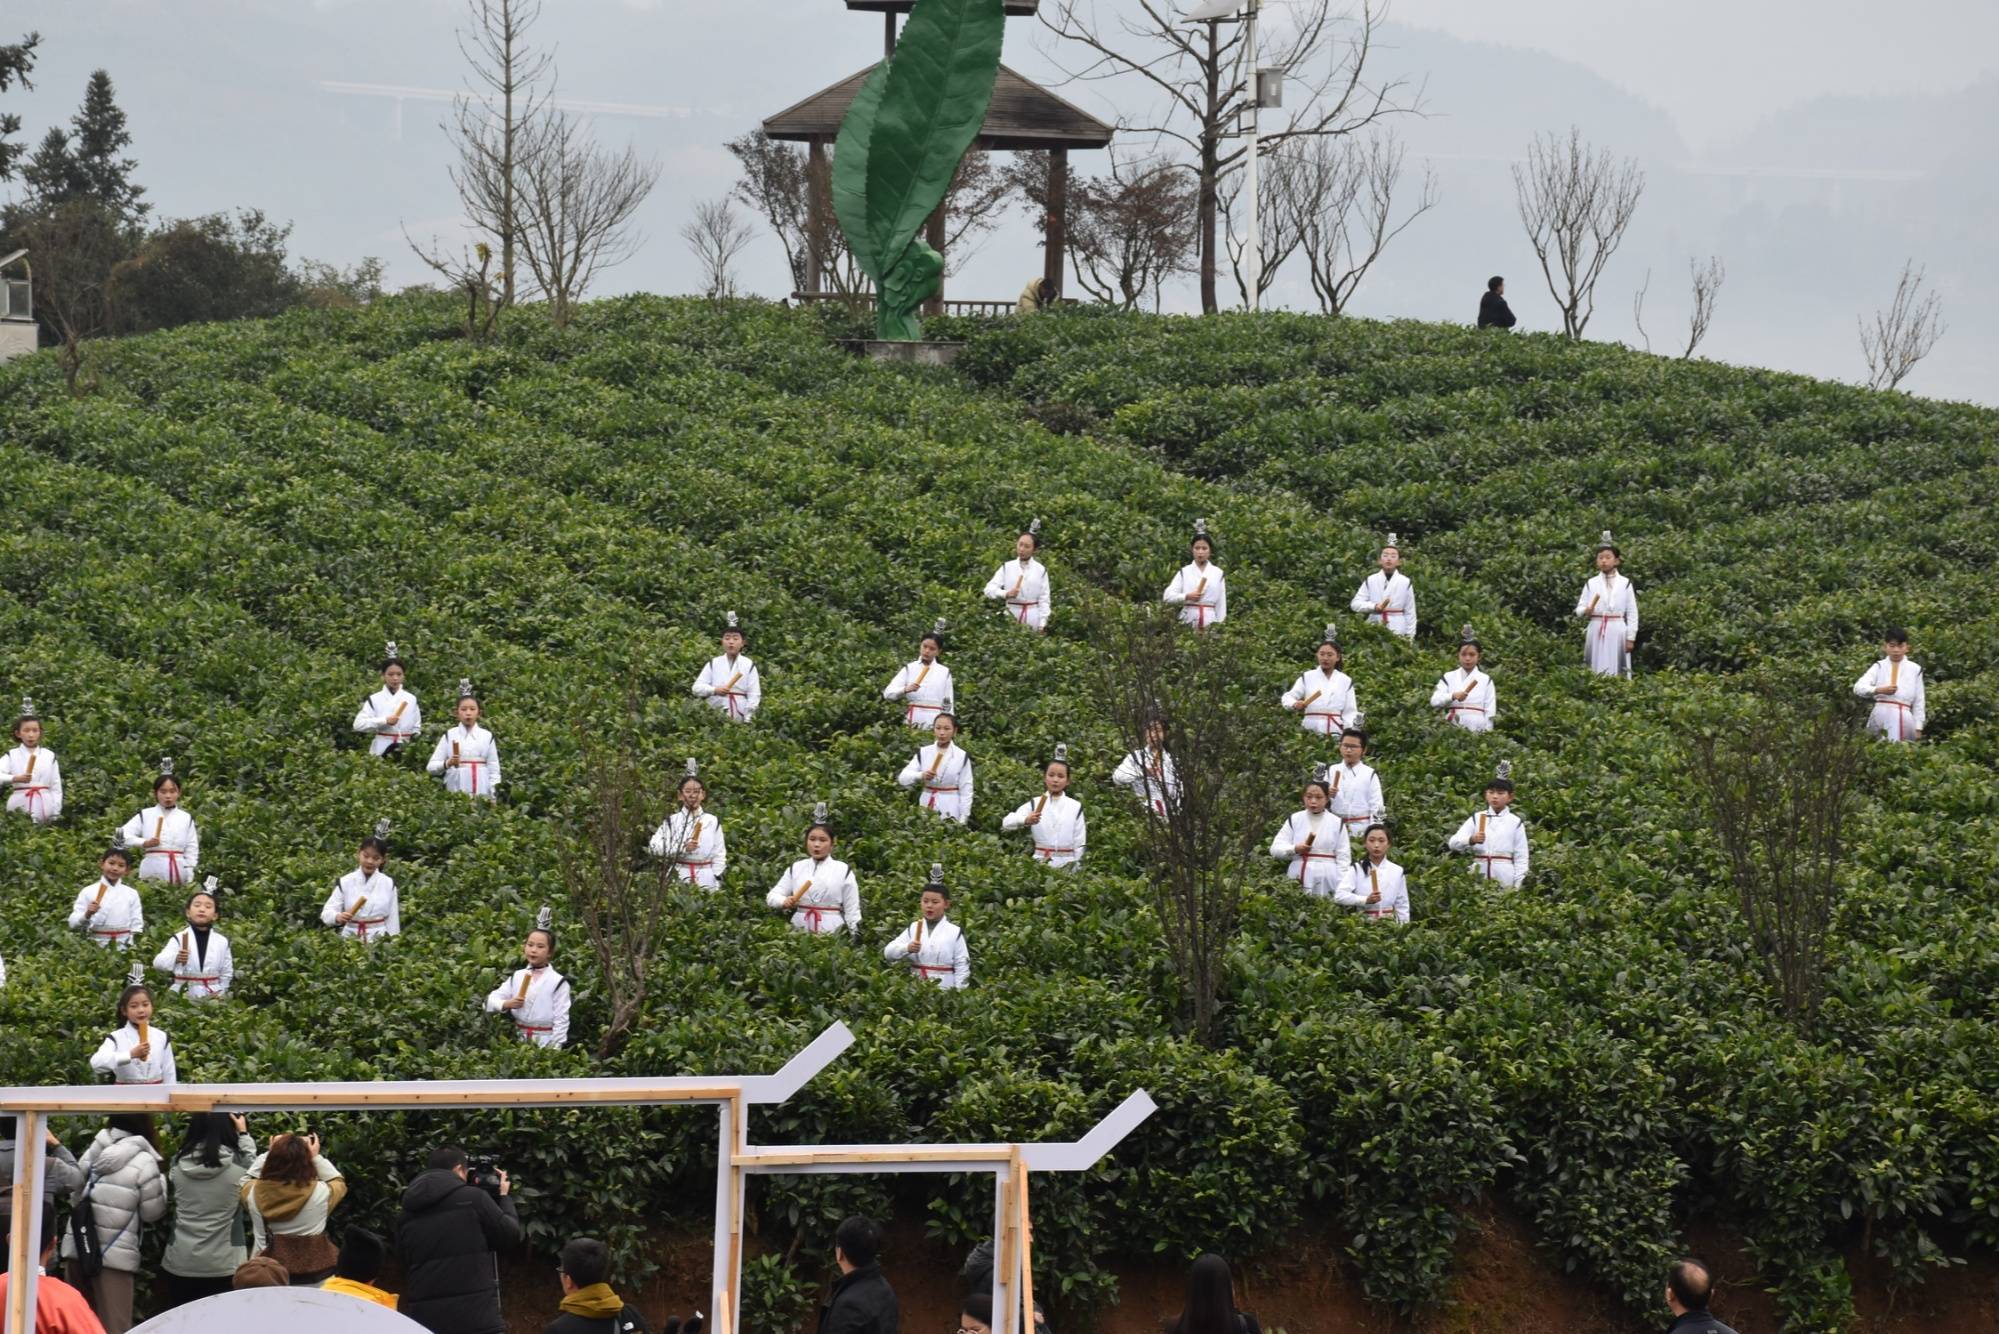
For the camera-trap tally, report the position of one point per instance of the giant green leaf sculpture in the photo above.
(901, 143)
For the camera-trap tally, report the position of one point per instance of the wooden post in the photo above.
(1023, 1223)
(1056, 238)
(888, 34)
(817, 177)
(934, 234)
(1005, 1254)
(24, 1248)
(728, 1260)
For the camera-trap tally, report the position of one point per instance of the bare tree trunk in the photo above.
(1903, 334)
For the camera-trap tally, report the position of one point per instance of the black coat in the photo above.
(1698, 1322)
(447, 1237)
(627, 1321)
(1493, 312)
(863, 1303)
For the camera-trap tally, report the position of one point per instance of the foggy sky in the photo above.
(1763, 125)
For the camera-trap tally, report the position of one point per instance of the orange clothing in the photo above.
(367, 1292)
(59, 1308)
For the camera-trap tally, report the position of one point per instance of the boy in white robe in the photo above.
(923, 687)
(466, 755)
(29, 771)
(1465, 693)
(1495, 838)
(1022, 583)
(164, 834)
(691, 838)
(391, 716)
(932, 945)
(1199, 588)
(1608, 605)
(819, 890)
(1386, 597)
(1376, 885)
(198, 957)
(942, 771)
(1054, 819)
(535, 997)
(1895, 687)
(1355, 786)
(108, 910)
(1323, 697)
(730, 681)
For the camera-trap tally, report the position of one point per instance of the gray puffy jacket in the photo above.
(128, 1191)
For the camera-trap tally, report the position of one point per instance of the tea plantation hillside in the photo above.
(204, 558)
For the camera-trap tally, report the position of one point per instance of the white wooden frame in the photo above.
(736, 1158)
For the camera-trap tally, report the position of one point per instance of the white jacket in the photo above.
(1502, 855)
(946, 780)
(1609, 605)
(1479, 709)
(114, 1057)
(128, 1190)
(38, 794)
(1024, 589)
(1356, 795)
(179, 853)
(1363, 877)
(381, 915)
(1201, 592)
(832, 898)
(207, 973)
(116, 921)
(1151, 778)
(1060, 835)
(391, 717)
(1330, 704)
(1400, 618)
(1901, 715)
(941, 957)
(478, 770)
(733, 689)
(544, 1020)
(694, 843)
(1319, 871)
(925, 691)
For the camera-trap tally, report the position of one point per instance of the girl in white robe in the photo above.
(198, 956)
(819, 890)
(1323, 697)
(942, 772)
(1465, 693)
(165, 834)
(390, 716)
(467, 756)
(730, 681)
(1054, 819)
(1199, 588)
(364, 905)
(1495, 838)
(1386, 597)
(1355, 791)
(1022, 583)
(1313, 842)
(1148, 774)
(690, 838)
(137, 1052)
(536, 997)
(29, 771)
(1376, 885)
(923, 687)
(932, 945)
(1608, 605)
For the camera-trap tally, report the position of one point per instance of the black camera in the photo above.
(485, 1174)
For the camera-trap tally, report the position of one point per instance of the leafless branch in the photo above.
(510, 86)
(1707, 280)
(1903, 334)
(1575, 203)
(577, 201)
(717, 235)
(1638, 309)
(1346, 210)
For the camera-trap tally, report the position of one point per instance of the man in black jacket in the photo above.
(863, 1302)
(1493, 312)
(1688, 1289)
(448, 1236)
(590, 1305)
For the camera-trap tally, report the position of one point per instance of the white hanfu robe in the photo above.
(36, 789)
(206, 973)
(381, 915)
(832, 897)
(1363, 878)
(1061, 833)
(1150, 776)
(1502, 855)
(179, 852)
(693, 842)
(940, 956)
(924, 690)
(1319, 870)
(477, 773)
(945, 777)
(1479, 709)
(544, 1020)
(1024, 589)
(114, 1057)
(1332, 703)
(1609, 606)
(391, 716)
(117, 922)
(1897, 717)
(1356, 796)
(1398, 592)
(732, 686)
(1201, 593)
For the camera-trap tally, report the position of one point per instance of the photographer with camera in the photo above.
(457, 1215)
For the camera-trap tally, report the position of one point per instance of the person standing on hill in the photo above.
(1199, 590)
(942, 771)
(29, 772)
(1495, 838)
(923, 686)
(690, 840)
(1386, 596)
(364, 904)
(109, 911)
(1313, 843)
(1895, 685)
(467, 756)
(1688, 1289)
(1493, 312)
(1054, 819)
(1022, 583)
(1609, 605)
(1356, 788)
(198, 956)
(1376, 885)
(819, 890)
(535, 996)
(1465, 693)
(169, 844)
(730, 682)
(933, 945)
(391, 715)
(1323, 698)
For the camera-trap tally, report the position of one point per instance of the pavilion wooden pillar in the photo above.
(818, 193)
(1056, 235)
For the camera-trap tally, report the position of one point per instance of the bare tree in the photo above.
(978, 200)
(777, 181)
(1346, 210)
(1128, 231)
(1778, 785)
(470, 274)
(77, 246)
(1638, 309)
(576, 203)
(1201, 844)
(621, 897)
(491, 126)
(1707, 280)
(1197, 71)
(1575, 203)
(1903, 334)
(716, 236)
(1279, 220)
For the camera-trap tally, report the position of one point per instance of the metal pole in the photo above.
(1253, 248)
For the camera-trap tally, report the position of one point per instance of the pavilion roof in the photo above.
(1023, 115)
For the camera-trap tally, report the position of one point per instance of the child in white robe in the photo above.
(137, 1052)
(1323, 697)
(1465, 693)
(164, 833)
(924, 686)
(1199, 588)
(536, 997)
(198, 956)
(942, 771)
(364, 905)
(1386, 597)
(1376, 885)
(1054, 819)
(1495, 838)
(691, 838)
(1894, 685)
(729, 681)
(108, 910)
(818, 890)
(390, 716)
(467, 756)
(1313, 843)
(932, 945)
(29, 771)
(1022, 583)
(1608, 605)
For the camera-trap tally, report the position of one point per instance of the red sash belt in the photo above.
(31, 793)
(533, 1028)
(1332, 719)
(932, 969)
(1490, 858)
(475, 766)
(1024, 606)
(110, 935)
(933, 791)
(813, 916)
(909, 715)
(1602, 621)
(732, 696)
(1452, 715)
(361, 925)
(1902, 718)
(208, 980)
(1051, 853)
(173, 862)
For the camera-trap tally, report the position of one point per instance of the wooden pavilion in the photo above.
(1023, 117)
